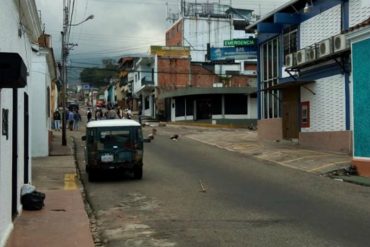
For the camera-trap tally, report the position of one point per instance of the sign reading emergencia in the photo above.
(240, 42)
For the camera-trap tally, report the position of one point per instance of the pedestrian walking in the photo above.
(76, 119)
(57, 119)
(129, 114)
(70, 119)
(98, 114)
(89, 115)
(119, 112)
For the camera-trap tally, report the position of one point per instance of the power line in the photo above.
(154, 72)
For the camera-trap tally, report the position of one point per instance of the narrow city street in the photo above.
(203, 123)
(193, 194)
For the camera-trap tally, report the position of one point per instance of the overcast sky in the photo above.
(120, 27)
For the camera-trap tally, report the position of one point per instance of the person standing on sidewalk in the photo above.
(57, 119)
(76, 119)
(70, 119)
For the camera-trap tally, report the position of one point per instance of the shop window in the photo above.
(180, 107)
(236, 104)
(305, 114)
(290, 41)
(217, 104)
(147, 104)
(270, 105)
(189, 106)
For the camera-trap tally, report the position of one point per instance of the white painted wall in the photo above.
(198, 31)
(38, 106)
(144, 68)
(11, 42)
(327, 107)
(320, 27)
(358, 12)
(5, 169)
(221, 69)
(252, 108)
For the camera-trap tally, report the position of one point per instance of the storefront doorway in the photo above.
(204, 109)
(290, 112)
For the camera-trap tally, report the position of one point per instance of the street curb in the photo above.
(353, 181)
(88, 208)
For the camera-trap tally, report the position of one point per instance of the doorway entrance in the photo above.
(15, 155)
(290, 113)
(204, 109)
(26, 139)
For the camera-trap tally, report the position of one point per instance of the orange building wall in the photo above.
(175, 34)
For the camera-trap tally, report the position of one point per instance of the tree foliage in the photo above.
(99, 76)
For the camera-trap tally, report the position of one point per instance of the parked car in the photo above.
(115, 144)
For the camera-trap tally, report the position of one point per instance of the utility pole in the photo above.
(64, 71)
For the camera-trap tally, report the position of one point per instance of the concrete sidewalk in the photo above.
(63, 221)
(244, 141)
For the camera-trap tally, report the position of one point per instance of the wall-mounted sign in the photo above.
(170, 51)
(305, 114)
(240, 42)
(233, 53)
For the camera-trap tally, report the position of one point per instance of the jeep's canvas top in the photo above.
(113, 123)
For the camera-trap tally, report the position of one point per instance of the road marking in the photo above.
(305, 157)
(70, 181)
(328, 165)
(280, 163)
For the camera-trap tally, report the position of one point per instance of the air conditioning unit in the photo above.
(301, 56)
(324, 48)
(290, 60)
(311, 54)
(339, 43)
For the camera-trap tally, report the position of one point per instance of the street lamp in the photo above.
(308, 7)
(90, 17)
(65, 53)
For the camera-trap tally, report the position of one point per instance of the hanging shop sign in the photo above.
(233, 53)
(240, 42)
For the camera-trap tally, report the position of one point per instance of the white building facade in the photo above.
(13, 164)
(23, 72)
(40, 112)
(144, 77)
(305, 74)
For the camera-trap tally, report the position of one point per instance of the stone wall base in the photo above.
(270, 129)
(336, 141)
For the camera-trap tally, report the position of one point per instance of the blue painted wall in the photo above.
(361, 98)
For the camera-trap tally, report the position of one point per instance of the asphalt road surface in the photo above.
(193, 194)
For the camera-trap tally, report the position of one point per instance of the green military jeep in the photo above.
(114, 145)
